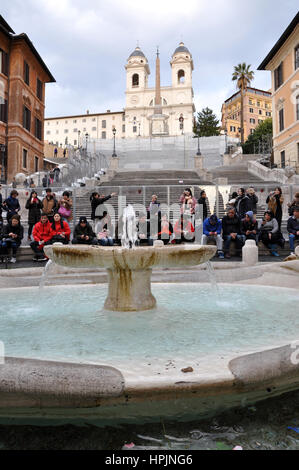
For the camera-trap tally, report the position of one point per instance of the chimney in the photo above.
(87, 112)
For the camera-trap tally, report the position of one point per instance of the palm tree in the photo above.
(244, 76)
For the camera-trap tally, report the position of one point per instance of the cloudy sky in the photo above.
(85, 44)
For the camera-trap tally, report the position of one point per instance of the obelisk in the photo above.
(158, 101)
(158, 120)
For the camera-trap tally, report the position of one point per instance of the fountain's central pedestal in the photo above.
(129, 271)
(129, 290)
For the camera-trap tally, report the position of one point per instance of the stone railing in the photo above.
(236, 158)
(275, 174)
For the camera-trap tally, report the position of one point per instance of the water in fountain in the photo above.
(212, 278)
(129, 233)
(44, 275)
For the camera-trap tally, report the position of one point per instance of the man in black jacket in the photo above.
(241, 204)
(83, 233)
(231, 231)
(13, 235)
(293, 228)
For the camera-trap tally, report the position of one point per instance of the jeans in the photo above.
(14, 245)
(240, 240)
(217, 238)
(106, 241)
(292, 238)
(39, 249)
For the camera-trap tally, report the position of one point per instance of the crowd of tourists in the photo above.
(49, 222)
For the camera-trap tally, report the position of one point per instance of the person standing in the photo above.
(241, 204)
(202, 201)
(253, 200)
(49, 205)
(34, 205)
(95, 201)
(275, 201)
(1, 220)
(12, 205)
(65, 205)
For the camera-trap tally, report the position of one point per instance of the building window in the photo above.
(268, 113)
(260, 121)
(75, 121)
(104, 124)
(251, 110)
(281, 120)
(251, 131)
(75, 130)
(48, 132)
(278, 78)
(283, 159)
(296, 57)
(181, 76)
(135, 79)
(124, 128)
(232, 129)
(3, 62)
(83, 120)
(260, 111)
(25, 154)
(134, 128)
(93, 120)
(39, 89)
(75, 143)
(258, 103)
(250, 101)
(123, 117)
(38, 129)
(36, 164)
(26, 73)
(65, 122)
(26, 118)
(57, 132)
(94, 129)
(3, 110)
(252, 121)
(297, 107)
(266, 105)
(66, 131)
(104, 135)
(57, 122)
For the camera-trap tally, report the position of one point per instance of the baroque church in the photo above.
(148, 112)
(173, 103)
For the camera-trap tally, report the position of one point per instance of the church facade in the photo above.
(143, 103)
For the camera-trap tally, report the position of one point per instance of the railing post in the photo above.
(74, 208)
(217, 200)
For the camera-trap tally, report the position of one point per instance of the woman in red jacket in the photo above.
(61, 230)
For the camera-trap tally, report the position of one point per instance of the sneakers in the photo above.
(43, 258)
(221, 255)
(35, 258)
(13, 260)
(274, 253)
(227, 255)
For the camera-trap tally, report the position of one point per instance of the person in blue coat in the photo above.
(11, 205)
(212, 231)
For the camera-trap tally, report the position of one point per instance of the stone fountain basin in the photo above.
(118, 258)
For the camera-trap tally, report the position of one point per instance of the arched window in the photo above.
(181, 76)
(135, 79)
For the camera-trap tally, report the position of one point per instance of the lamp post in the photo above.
(225, 133)
(79, 132)
(86, 140)
(114, 132)
(198, 147)
(181, 119)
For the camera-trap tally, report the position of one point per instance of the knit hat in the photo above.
(250, 214)
(83, 220)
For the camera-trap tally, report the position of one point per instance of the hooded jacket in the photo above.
(42, 232)
(17, 230)
(231, 225)
(208, 227)
(293, 225)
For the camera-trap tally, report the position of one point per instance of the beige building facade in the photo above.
(283, 62)
(135, 119)
(257, 108)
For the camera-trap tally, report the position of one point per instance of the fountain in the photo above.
(202, 349)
